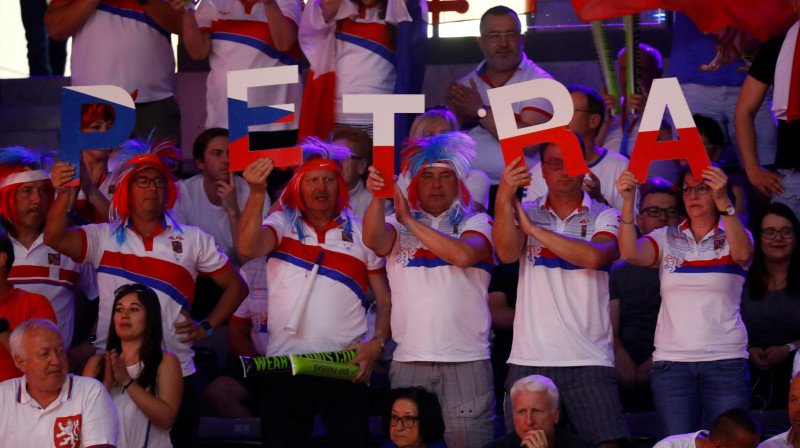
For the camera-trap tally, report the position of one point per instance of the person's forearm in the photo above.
(629, 247)
(508, 239)
(452, 250)
(196, 41)
(163, 14)
(284, 34)
(233, 225)
(250, 225)
(576, 251)
(63, 19)
(741, 245)
(100, 203)
(375, 234)
(232, 296)
(746, 138)
(155, 409)
(329, 8)
(55, 228)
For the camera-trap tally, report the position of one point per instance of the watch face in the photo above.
(482, 112)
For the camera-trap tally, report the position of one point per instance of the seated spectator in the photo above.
(732, 429)
(788, 438)
(145, 383)
(415, 419)
(635, 300)
(16, 306)
(771, 305)
(230, 394)
(534, 400)
(46, 406)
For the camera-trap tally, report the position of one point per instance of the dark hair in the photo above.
(656, 185)
(358, 137)
(8, 249)
(730, 422)
(758, 275)
(594, 102)
(580, 141)
(202, 140)
(710, 128)
(499, 10)
(431, 423)
(150, 353)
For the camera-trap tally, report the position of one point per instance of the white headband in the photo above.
(439, 165)
(23, 177)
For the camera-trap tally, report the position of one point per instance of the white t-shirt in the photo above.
(681, 440)
(135, 429)
(241, 40)
(701, 286)
(169, 262)
(607, 168)
(490, 156)
(562, 317)
(43, 270)
(82, 416)
(194, 208)
(439, 311)
(122, 46)
(254, 307)
(334, 317)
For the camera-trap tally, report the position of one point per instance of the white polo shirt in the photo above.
(682, 440)
(241, 40)
(562, 317)
(254, 307)
(490, 156)
(783, 440)
(82, 416)
(701, 286)
(43, 270)
(607, 168)
(334, 317)
(440, 312)
(120, 45)
(169, 262)
(194, 208)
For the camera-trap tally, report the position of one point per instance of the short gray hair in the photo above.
(536, 383)
(15, 344)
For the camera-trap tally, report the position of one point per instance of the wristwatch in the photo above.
(207, 327)
(481, 112)
(381, 340)
(730, 211)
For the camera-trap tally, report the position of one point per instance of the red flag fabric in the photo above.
(761, 19)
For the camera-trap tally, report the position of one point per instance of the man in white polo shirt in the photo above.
(143, 244)
(315, 228)
(38, 268)
(565, 242)
(46, 407)
(439, 261)
(735, 428)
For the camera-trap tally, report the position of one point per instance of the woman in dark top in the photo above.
(771, 305)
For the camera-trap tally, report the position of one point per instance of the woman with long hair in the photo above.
(700, 358)
(145, 382)
(771, 305)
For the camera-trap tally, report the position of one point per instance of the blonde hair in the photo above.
(428, 119)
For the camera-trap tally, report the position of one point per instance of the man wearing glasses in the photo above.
(635, 294)
(605, 165)
(566, 242)
(504, 63)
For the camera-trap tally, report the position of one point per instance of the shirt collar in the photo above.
(481, 69)
(585, 204)
(720, 228)
(23, 397)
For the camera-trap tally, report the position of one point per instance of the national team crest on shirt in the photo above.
(347, 237)
(54, 259)
(719, 242)
(67, 432)
(671, 263)
(177, 247)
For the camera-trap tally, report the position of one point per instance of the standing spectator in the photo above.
(775, 65)
(47, 407)
(314, 227)
(16, 306)
(143, 244)
(127, 46)
(505, 63)
(45, 55)
(145, 383)
(241, 35)
(439, 254)
(771, 305)
(565, 242)
(26, 194)
(415, 419)
(213, 199)
(700, 359)
(635, 300)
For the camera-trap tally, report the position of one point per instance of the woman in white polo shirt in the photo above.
(700, 362)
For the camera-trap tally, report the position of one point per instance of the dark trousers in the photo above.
(184, 431)
(45, 56)
(290, 403)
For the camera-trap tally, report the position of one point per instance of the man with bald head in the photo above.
(46, 407)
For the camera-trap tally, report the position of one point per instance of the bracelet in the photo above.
(125, 387)
(625, 222)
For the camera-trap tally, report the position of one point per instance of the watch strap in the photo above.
(207, 327)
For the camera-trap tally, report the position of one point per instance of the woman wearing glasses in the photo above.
(700, 359)
(415, 419)
(771, 306)
(145, 383)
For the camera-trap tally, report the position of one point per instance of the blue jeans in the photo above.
(688, 396)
